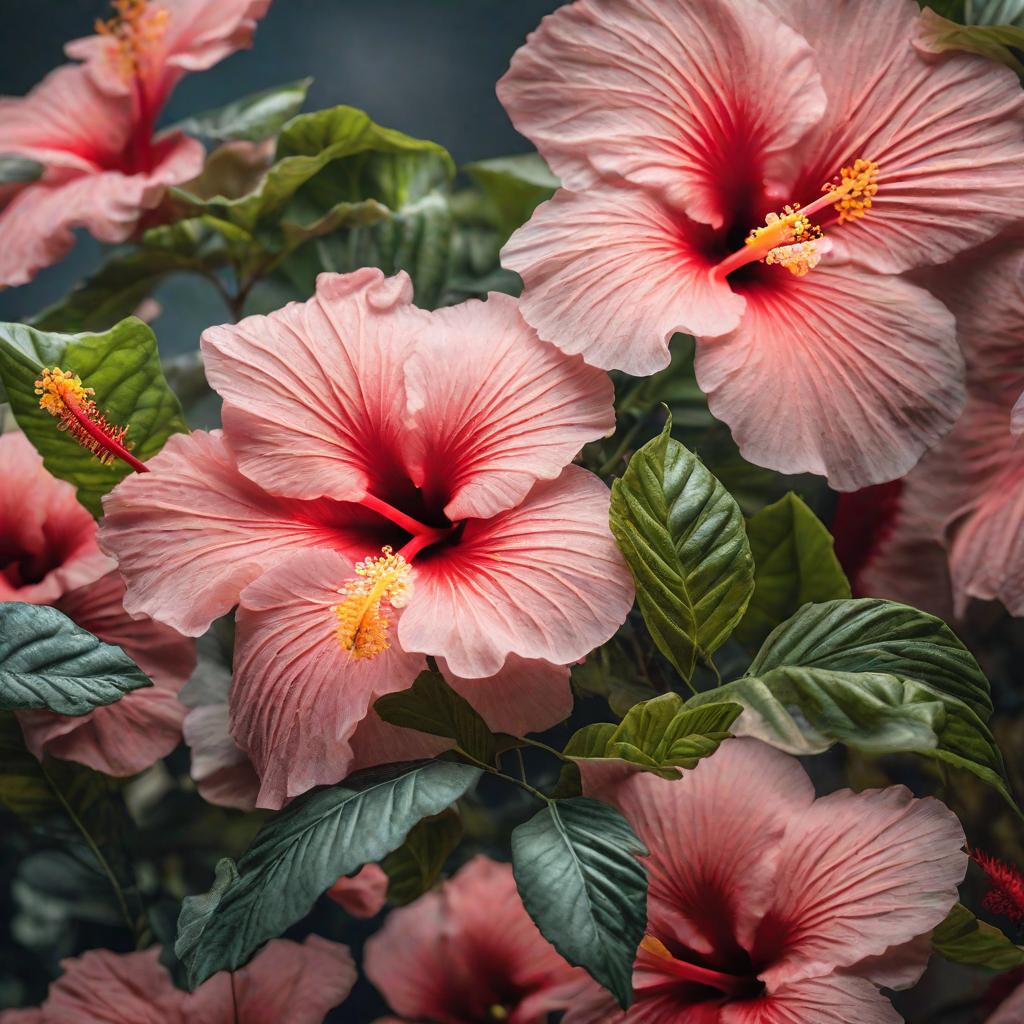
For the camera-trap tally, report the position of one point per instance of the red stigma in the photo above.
(1006, 896)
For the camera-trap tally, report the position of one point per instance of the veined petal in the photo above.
(494, 409)
(221, 770)
(612, 273)
(128, 736)
(298, 695)
(857, 874)
(314, 393)
(686, 98)
(543, 580)
(843, 373)
(833, 999)
(190, 534)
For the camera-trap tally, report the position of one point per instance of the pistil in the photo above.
(659, 959)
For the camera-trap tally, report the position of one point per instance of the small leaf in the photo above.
(684, 539)
(576, 868)
(963, 939)
(251, 118)
(996, 42)
(300, 853)
(415, 866)
(122, 365)
(49, 663)
(19, 170)
(430, 705)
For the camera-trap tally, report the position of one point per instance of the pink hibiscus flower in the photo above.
(390, 483)
(687, 133)
(768, 906)
(92, 127)
(286, 981)
(468, 952)
(49, 555)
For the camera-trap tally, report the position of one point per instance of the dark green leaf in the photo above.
(415, 866)
(122, 365)
(430, 705)
(19, 170)
(963, 939)
(299, 854)
(794, 563)
(251, 118)
(684, 539)
(576, 868)
(49, 663)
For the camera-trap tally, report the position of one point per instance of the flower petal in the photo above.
(222, 772)
(833, 999)
(679, 97)
(843, 373)
(314, 396)
(543, 580)
(363, 894)
(298, 696)
(494, 409)
(128, 736)
(1011, 1010)
(190, 534)
(858, 873)
(613, 273)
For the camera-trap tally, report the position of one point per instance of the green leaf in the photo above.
(794, 563)
(251, 118)
(684, 539)
(122, 365)
(415, 866)
(49, 663)
(576, 868)
(963, 939)
(513, 187)
(996, 42)
(19, 170)
(299, 854)
(430, 705)
(660, 735)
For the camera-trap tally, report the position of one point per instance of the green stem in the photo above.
(544, 746)
(609, 464)
(491, 770)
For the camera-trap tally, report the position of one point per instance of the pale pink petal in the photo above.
(843, 373)
(314, 395)
(494, 409)
(298, 695)
(523, 696)
(682, 97)
(22, 1017)
(544, 580)
(38, 224)
(128, 736)
(47, 539)
(899, 967)
(193, 532)
(1017, 417)
(713, 838)
(377, 742)
(858, 873)
(462, 949)
(613, 273)
(1011, 1010)
(222, 772)
(101, 987)
(286, 981)
(364, 893)
(829, 1000)
(947, 134)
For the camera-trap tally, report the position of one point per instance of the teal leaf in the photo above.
(416, 865)
(49, 663)
(19, 170)
(300, 853)
(576, 868)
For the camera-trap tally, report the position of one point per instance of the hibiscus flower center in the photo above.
(791, 239)
(656, 958)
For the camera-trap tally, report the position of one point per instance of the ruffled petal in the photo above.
(128, 736)
(363, 894)
(899, 967)
(947, 134)
(544, 580)
(685, 98)
(314, 394)
(222, 772)
(611, 274)
(842, 373)
(830, 1000)
(858, 873)
(494, 409)
(298, 695)
(193, 532)
(713, 838)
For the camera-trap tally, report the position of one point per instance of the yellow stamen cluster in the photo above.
(861, 184)
(62, 394)
(135, 29)
(784, 229)
(799, 259)
(381, 583)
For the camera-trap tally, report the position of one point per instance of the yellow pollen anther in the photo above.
(791, 226)
(381, 583)
(860, 185)
(799, 259)
(498, 1012)
(136, 28)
